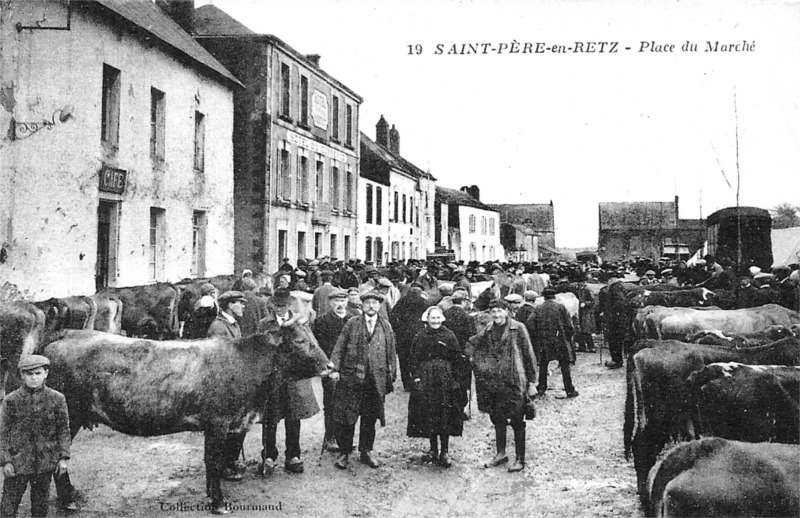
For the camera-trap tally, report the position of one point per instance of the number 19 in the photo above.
(414, 49)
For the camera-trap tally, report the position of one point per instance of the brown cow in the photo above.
(148, 388)
(21, 330)
(109, 313)
(716, 477)
(149, 311)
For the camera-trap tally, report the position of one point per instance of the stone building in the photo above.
(117, 168)
(528, 231)
(468, 227)
(296, 148)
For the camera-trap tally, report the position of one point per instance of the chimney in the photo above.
(473, 191)
(382, 132)
(181, 12)
(394, 140)
(313, 59)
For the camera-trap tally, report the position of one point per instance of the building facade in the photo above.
(296, 148)
(117, 169)
(405, 230)
(529, 231)
(467, 226)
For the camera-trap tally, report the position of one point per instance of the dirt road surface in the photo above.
(575, 467)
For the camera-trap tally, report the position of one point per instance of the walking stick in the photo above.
(324, 434)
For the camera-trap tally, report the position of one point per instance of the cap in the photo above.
(372, 295)
(300, 273)
(755, 270)
(383, 282)
(314, 263)
(530, 295)
(650, 272)
(513, 298)
(352, 289)
(496, 303)
(34, 361)
(667, 271)
(338, 294)
(231, 296)
(548, 292)
(281, 297)
(459, 295)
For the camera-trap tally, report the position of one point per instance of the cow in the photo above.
(658, 393)
(149, 311)
(683, 323)
(671, 299)
(753, 403)
(148, 388)
(77, 312)
(109, 313)
(769, 335)
(21, 331)
(717, 477)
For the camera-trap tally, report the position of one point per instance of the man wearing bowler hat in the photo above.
(365, 367)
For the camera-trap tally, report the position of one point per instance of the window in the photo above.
(346, 248)
(378, 252)
(349, 136)
(283, 244)
(483, 253)
(369, 203)
(199, 141)
(403, 251)
(320, 180)
(335, 118)
(426, 201)
(473, 251)
(378, 205)
(285, 90)
(368, 249)
(284, 182)
(336, 188)
(108, 215)
(301, 245)
(411, 212)
(350, 193)
(110, 109)
(334, 246)
(404, 208)
(491, 253)
(483, 225)
(302, 178)
(304, 100)
(198, 243)
(491, 229)
(471, 223)
(155, 261)
(157, 125)
(317, 244)
(396, 206)
(395, 250)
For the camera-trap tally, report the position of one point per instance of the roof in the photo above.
(730, 212)
(641, 215)
(537, 217)
(456, 197)
(377, 162)
(212, 22)
(145, 15)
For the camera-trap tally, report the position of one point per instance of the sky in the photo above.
(577, 128)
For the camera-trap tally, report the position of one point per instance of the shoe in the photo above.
(220, 509)
(342, 461)
(294, 465)
(430, 456)
(231, 475)
(69, 506)
(330, 444)
(267, 467)
(369, 460)
(572, 394)
(613, 365)
(500, 458)
(444, 460)
(518, 465)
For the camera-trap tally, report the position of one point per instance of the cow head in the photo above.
(300, 353)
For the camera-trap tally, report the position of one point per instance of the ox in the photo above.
(671, 299)
(657, 390)
(716, 477)
(68, 313)
(769, 335)
(753, 403)
(21, 330)
(109, 313)
(149, 311)
(148, 388)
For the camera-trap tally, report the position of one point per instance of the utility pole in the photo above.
(738, 185)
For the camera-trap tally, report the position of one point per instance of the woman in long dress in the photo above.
(433, 407)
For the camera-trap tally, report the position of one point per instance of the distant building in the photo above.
(117, 168)
(644, 229)
(528, 231)
(468, 227)
(296, 148)
(395, 201)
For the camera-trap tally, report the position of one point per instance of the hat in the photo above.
(246, 272)
(231, 296)
(206, 301)
(481, 269)
(548, 292)
(383, 282)
(459, 295)
(281, 297)
(667, 271)
(372, 295)
(300, 273)
(755, 270)
(352, 289)
(512, 298)
(496, 303)
(428, 312)
(338, 294)
(207, 289)
(530, 295)
(314, 263)
(650, 272)
(34, 361)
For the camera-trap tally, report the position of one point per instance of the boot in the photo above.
(444, 458)
(433, 454)
(519, 444)
(500, 439)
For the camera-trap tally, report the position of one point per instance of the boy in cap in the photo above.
(34, 439)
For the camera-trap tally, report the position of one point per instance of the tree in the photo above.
(785, 215)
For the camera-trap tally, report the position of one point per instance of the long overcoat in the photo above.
(503, 368)
(550, 329)
(355, 350)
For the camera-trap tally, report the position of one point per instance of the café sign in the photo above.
(113, 180)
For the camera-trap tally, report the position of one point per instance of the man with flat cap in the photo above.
(231, 309)
(365, 367)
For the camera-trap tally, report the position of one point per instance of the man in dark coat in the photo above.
(462, 325)
(231, 308)
(327, 329)
(406, 322)
(586, 318)
(365, 367)
(505, 374)
(550, 328)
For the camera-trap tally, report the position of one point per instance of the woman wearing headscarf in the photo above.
(434, 410)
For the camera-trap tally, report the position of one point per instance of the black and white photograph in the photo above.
(229, 287)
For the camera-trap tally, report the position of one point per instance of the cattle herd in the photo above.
(724, 384)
